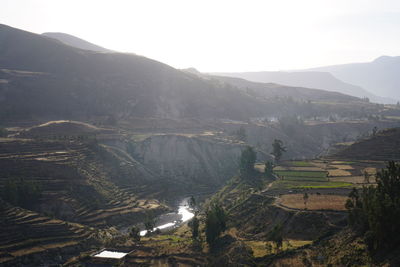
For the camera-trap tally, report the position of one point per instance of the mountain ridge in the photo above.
(75, 41)
(379, 76)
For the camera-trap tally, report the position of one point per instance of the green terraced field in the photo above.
(286, 184)
(309, 174)
(300, 164)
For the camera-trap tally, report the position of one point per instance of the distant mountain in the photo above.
(272, 90)
(380, 77)
(75, 41)
(312, 79)
(44, 79)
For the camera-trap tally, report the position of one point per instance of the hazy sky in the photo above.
(219, 35)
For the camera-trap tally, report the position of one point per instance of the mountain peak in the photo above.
(75, 41)
(385, 59)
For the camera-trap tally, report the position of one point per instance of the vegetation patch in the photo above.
(302, 175)
(315, 174)
(264, 248)
(300, 163)
(285, 184)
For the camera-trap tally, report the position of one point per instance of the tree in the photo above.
(268, 169)
(21, 192)
(275, 235)
(194, 226)
(3, 132)
(215, 223)
(247, 161)
(277, 149)
(375, 212)
(135, 233)
(366, 177)
(305, 198)
(241, 134)
(150, 222)
(374, 131)
(192, 202)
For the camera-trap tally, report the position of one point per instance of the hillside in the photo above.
(379, 77)
(29, 237)
(312, 79)
(75, 41)
(42, 79)
(67, 82)
(384, 146)
(79, 181)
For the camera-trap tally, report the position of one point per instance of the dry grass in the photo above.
(260, 249)
(315, 202)
(338, 172)
(342, 167)
(349, 179)
(370, 171)
(260, 167)
(281, 168)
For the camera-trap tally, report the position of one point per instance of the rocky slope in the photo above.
(195, 164)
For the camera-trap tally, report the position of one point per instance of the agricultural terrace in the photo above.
(326, 182)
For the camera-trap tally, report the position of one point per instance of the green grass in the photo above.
(300, 164)
(308, 174)
(343, 162)
(287, 184)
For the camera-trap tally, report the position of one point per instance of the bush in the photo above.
(21, 193)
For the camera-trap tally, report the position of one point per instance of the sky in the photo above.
(223, 35)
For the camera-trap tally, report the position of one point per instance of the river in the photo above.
(174, 219)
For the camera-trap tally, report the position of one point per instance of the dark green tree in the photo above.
(241, 134)
(278, 149)
(276, 236)
(374, 131)
(3, 132)
(247, 161)
(375, 211)
(192, 202)
(268, 169)
(21, 192)
(150, 222)
(194, 226)
(135, 233)
(215, 223)
(305, 198)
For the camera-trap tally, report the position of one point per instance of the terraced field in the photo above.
(25, 233)
(327, 182)
(80, 182)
